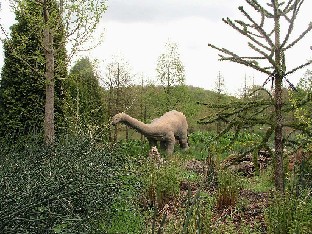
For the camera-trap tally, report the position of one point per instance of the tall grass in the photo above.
(290, 214)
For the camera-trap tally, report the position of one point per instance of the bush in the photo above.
(65, 189)
(125, 216)
(161, 184)
(228, 188)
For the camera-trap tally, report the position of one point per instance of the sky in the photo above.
(137, 31)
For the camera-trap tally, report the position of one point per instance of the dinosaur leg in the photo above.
(163, 145)
(183, 141)
(184, 144)
(152, 142)
(170, 145)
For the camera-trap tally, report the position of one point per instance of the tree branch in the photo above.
(299, 67)
(300, 37)
(258, 27)
(244, 32)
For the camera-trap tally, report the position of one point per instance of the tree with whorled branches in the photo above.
(270, 43)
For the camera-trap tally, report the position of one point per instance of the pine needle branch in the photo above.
(245, 32)
(299, 67)
(259, 28)
(259, 8)
(302, 35)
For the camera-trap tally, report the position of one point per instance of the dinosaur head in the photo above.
(117, 118)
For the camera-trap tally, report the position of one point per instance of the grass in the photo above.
(259, 183)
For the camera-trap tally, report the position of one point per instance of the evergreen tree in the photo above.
(22, 86)
(269, 43)
(85, 97)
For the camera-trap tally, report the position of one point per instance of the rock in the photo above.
(244, 164)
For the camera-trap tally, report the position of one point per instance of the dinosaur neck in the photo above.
(137, 125)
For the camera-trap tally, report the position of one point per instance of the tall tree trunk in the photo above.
(279, 73)
(49, 132)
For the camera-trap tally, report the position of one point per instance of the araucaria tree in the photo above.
(270, 44)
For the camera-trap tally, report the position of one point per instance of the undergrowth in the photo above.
(84, 185)
(70, 188)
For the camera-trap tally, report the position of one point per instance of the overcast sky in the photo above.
(137, 30)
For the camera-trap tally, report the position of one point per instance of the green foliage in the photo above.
(290, 214)
(85, 98)
(228, 187)
(68, 189)
(22, 87)
(223, 145)
(161, 184)
(125, 217)
(170, 72)
(302, 103)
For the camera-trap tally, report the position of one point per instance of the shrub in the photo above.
(228, 187)
(124, 217)
(64, 189)
(161, 184)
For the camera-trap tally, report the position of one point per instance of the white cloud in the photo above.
(138, 29)
(164, 10)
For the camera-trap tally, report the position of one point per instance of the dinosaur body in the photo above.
(165, 129)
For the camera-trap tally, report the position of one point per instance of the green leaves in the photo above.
(22, 87)
(170, 70)
(67, 189)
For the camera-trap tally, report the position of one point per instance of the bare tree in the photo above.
(118, 79)
(266, 40)
(170, 70)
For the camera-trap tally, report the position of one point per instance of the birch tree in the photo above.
(269, 44)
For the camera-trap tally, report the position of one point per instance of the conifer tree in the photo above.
(268, 42)
(85, 96)
(22, 90)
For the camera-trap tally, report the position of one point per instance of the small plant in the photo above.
(211, 172)
(125, 217)
(161, 183)
(198, 213)
(228, 187)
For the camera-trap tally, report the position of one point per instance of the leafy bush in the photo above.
(161, 184)
(65, 189)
